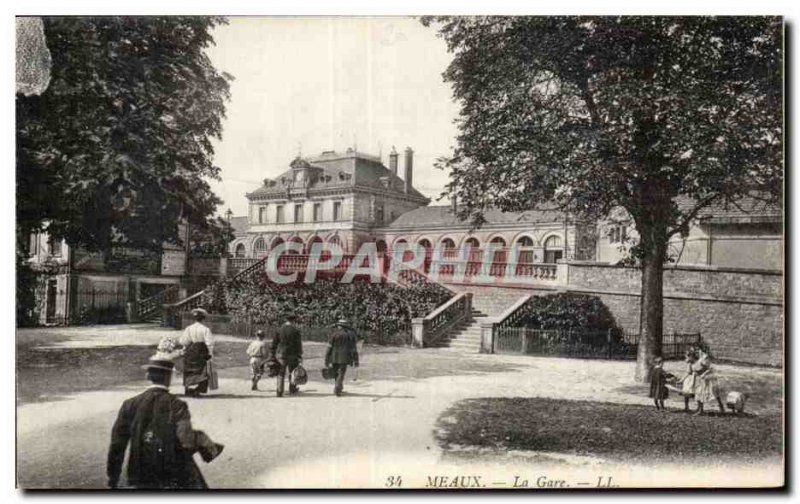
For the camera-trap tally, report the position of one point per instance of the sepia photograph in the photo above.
(429, 252)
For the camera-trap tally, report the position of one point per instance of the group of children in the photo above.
(699, 383)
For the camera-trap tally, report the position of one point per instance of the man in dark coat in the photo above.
(342, 352)
(158, 427)
(287, 349)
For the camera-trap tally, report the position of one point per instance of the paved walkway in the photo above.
(382, 427)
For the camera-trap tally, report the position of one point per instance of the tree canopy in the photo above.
(118, 148)
(662, 116)
(591, 113)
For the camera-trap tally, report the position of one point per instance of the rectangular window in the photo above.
(379, 214)
(618, 234)
(317, 212)
(279, 214)
(34, 244)
(55, 247)
(262, 215)
(298, 213)
(337, 210)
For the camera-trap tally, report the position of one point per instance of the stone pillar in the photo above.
(131, 312)
(418, 327)
(562, 272)
(223, 267)
(487, 336)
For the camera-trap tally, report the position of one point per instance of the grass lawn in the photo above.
(610, 431)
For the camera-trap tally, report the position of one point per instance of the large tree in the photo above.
(118, 148)
(661, 116)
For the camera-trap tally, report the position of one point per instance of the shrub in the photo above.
(379, 312)
(580, 319)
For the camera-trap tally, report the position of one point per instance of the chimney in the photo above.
(409, 167)
(393, 161)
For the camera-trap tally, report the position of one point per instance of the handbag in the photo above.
(328, 373)
(213, 378)
(299, 375)
(273, 367)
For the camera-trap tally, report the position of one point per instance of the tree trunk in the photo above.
(652, 309)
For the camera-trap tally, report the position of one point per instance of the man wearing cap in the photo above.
(198, 343)
(342, 352)
(159, 429)
(287, 348)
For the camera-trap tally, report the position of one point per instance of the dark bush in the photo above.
(580, 319)
(379, 312)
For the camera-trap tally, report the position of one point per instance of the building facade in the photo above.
(352, 198)
(76, 284)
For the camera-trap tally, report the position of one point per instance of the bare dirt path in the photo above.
(382, 427)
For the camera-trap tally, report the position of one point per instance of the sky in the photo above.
(306, 85)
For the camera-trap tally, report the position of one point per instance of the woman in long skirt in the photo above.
(198, 343)
(706, 388)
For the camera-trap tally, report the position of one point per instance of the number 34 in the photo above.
(394, 481)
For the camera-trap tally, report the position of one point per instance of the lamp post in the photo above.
(229, 215)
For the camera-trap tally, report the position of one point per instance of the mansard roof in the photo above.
(443, 216)
(332, 170)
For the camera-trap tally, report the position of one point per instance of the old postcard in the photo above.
(445, 252)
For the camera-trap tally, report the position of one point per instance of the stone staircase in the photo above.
(466, 336)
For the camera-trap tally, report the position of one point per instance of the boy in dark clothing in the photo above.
(658, 383)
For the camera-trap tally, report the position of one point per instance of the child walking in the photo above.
(258, 352)
(658, 383)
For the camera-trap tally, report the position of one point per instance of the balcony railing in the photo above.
(499, 269)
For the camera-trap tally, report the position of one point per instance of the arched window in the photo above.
(428, 248)
(525, 241)
(311, 242)
(295, 239)
(259, 248)
(335, 240)
(473, 248)
(240, 250)
(524, 249)
(402, 245)
(448, 247)
(553, 249)
(499, 247)
(275, 243)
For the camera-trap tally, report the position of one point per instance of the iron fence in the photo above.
(585, 344)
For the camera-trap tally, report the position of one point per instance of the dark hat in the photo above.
(199, 311)
(291, 316)
(162, 364)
